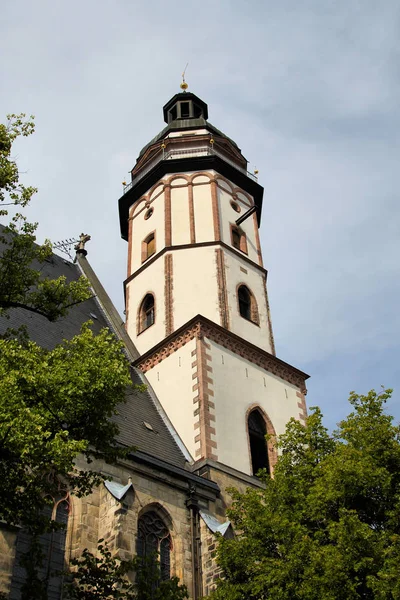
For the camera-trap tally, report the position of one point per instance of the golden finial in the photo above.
(184, 85)
(212, 140)
(163, 145)
(256, 171)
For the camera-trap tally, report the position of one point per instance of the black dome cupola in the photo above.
(185, 106)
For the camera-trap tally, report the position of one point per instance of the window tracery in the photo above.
(154, 537)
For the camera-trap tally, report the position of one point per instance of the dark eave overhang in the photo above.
(210, 488)
(182, 165)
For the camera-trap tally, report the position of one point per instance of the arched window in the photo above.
(258, 444)
(148, 246)
(146, 313)
(244, 302)
(51, 571)
(247, 304)
(238, 239)
(154, 537)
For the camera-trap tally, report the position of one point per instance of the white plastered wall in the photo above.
(203, 215)
(239, 384)
(229, 216)
(180, 220)
(142, 227)
(149, 280)
(253, 279)
(195, 288)
(172, 381)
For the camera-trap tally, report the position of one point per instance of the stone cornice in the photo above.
(186, 165)
(217, 243)
(200, 327)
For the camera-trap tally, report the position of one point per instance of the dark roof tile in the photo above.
(139, 406)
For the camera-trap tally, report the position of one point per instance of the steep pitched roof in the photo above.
(141, 409)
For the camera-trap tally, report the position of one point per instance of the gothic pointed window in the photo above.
(258, 444)
(154, 539)
(146, 313)
(52, 546)
(247, 304)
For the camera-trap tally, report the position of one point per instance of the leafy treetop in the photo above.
(21, 283)
(327, 526)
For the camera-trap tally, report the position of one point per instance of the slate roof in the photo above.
(186, 124)
(48, 334)
(139, 407)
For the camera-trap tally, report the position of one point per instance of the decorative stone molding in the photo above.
(167, 215)
(130, 249)
(204, 407)
(257, 238)
(215, 211)
(271, 333)
(191, 215)
(169, 285)
(222, 288)
(201, 174)
(200, 326)
(302, 406)
(238, 190)
(178, 176)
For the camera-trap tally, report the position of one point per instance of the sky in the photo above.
(309, 90)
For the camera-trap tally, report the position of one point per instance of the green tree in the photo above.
(327, 526)
(21, 283)
(104, 577)
(54, 404)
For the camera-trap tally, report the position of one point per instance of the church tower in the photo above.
(196, 298)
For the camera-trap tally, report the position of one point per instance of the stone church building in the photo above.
(198, 333)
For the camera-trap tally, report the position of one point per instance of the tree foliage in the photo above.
(21, 282)
(105, 577)
(53, 404)
(327, 526)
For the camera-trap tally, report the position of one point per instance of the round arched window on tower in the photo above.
(235, 206)
(148, 213)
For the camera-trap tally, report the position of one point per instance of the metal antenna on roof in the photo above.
(65, 246)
